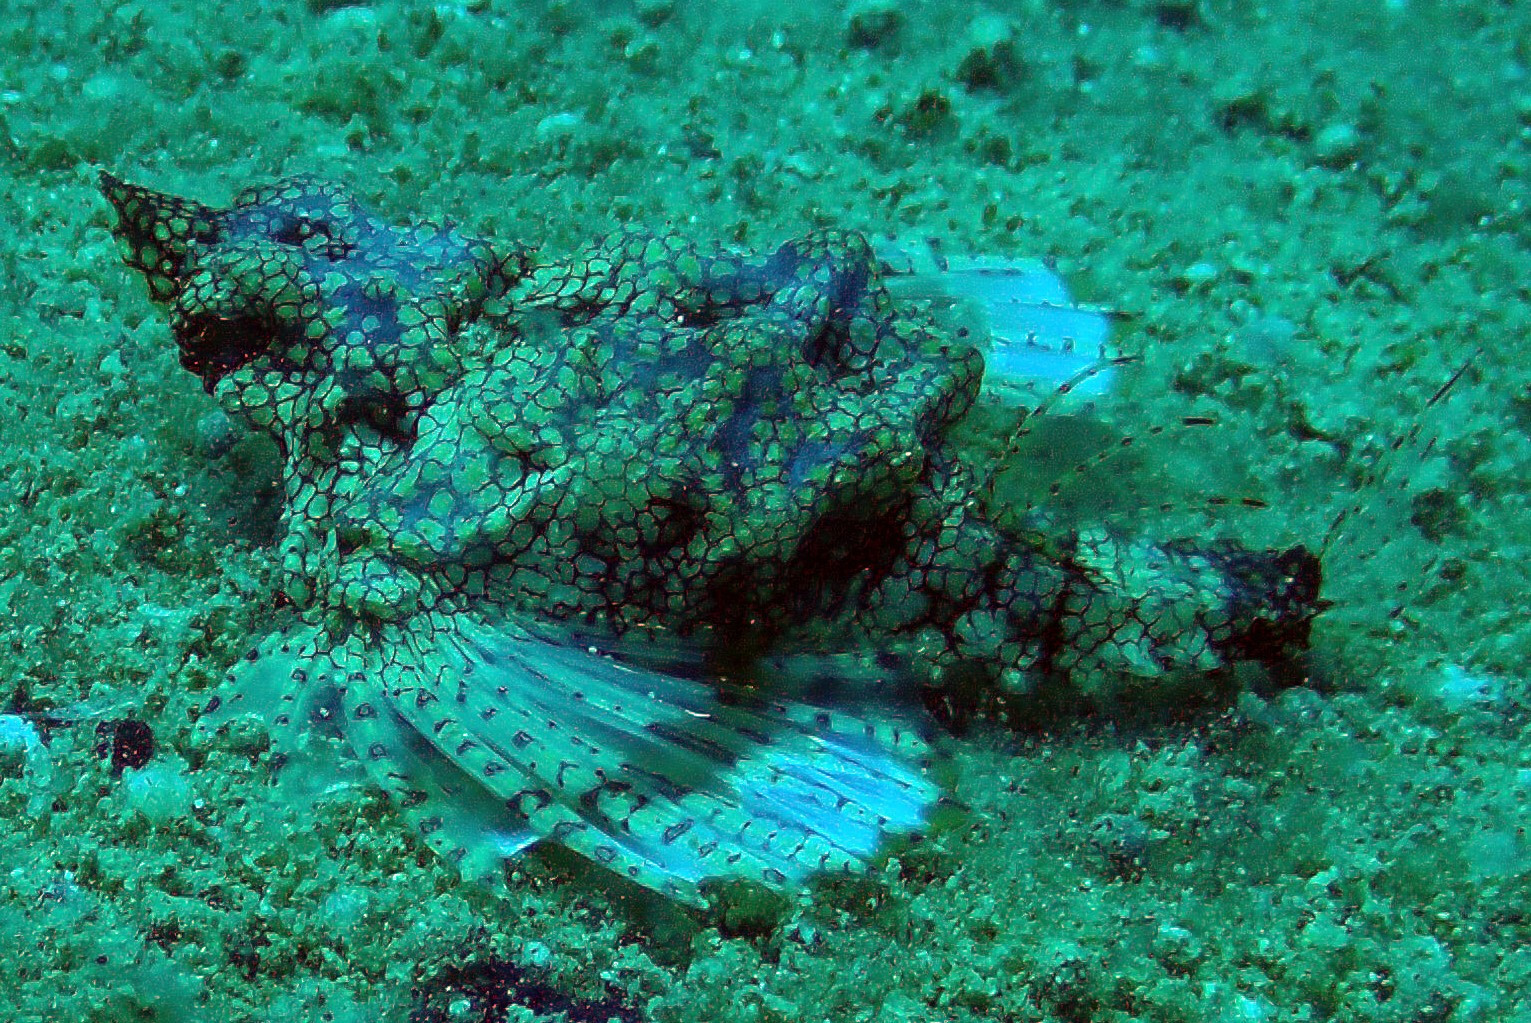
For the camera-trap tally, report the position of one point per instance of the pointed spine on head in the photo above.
(156, 231)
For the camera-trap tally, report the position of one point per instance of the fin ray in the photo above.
(653, 773)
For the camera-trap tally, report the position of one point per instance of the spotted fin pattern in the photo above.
(283, 684)
(491, 738)
(459, 818)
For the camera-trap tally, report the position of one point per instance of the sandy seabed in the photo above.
(1308, 217)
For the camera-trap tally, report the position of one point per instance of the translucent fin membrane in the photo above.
(492, 738)
(282, 684)
(1019, 312)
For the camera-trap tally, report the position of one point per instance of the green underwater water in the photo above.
(1306, 218)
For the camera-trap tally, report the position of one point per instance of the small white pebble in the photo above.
(1460, 689)
(19, 742)
(1199, 273)
(1337, 144)
(557, 125)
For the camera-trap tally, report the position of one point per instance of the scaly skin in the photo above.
(742, 455)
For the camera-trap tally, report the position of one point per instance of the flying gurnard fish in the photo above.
(625, 551)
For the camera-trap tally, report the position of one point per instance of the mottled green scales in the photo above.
(586, 548)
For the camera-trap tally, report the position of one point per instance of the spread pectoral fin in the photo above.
(289, 685)
(648, 774)
(456, 816)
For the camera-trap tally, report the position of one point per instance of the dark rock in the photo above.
(993, 61)
(493, 986)
(128, 742)
(874, 25)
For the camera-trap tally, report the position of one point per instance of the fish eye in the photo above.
(318, 235)
(295, 229)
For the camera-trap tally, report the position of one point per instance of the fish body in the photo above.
(596, 550)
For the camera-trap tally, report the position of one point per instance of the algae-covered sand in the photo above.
(1310, 216)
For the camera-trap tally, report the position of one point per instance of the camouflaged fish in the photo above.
(597, 550)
